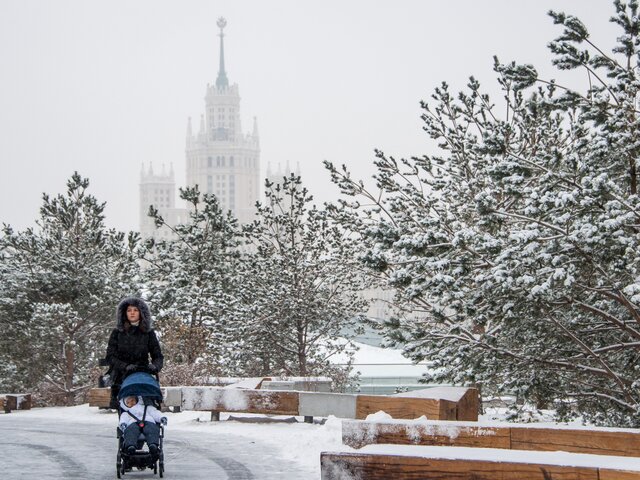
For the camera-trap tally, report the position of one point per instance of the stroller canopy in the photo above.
(140, 384)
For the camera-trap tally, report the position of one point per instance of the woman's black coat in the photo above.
(134, 345)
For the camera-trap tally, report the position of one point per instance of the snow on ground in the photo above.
(298, 442)
(302, 443)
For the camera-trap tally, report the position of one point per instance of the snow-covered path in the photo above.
(79, 443)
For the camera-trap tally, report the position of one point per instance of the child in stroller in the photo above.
(140, 421)
(137, 418)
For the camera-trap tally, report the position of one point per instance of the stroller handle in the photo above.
(143, 369)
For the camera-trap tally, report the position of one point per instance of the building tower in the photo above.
(159, 190)
(220, 158)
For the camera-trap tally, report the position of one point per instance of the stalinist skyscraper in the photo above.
(220, 158)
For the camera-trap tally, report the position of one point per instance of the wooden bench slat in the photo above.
(606, 474)
(601, 442)
(357, 434)
(465, 399)
(625, 444)
(405, 407)
(468, 406)
(99, 397)
(228, 400)
(338, 466)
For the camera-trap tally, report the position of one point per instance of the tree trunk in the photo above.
(69, 357)
(633, 173)
(302, 351)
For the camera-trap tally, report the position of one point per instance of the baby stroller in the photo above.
(145, 385)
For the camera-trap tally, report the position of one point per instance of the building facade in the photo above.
(220, 159)
(159, 190)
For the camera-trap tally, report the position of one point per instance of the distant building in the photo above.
(277, 178)
(159, 190)
(220, 159)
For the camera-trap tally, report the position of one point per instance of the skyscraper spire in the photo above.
(222, 81)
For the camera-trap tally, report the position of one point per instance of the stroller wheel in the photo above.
(118, 464)
(161, 469)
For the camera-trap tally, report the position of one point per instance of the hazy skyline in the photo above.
(100, 87)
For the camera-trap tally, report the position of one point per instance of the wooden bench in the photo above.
(435, 463)
(310, 404)
(313, 404)
(397, 449)
(99, 397)
(619, 442)
(437, 403)
(15, 401)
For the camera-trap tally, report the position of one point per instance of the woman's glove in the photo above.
(163, 420)
(131, 367)
(123, 426)
(152, 368)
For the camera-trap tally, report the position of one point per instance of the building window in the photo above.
(231, 161)
(209, 162)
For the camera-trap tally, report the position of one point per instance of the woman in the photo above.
(131, 344)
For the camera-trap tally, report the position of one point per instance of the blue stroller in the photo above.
(145, 385)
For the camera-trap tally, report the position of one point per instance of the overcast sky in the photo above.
(102, 86)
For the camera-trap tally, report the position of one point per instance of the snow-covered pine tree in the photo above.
(520, 243)
(192, 281)
(301, 287)
(59, 285)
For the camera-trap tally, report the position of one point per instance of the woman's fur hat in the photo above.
(146, 323)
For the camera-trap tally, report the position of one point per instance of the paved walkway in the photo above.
(45, 448)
